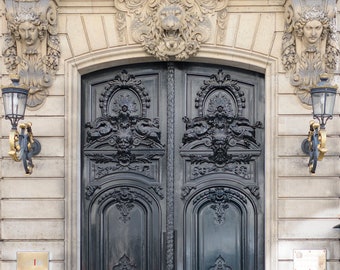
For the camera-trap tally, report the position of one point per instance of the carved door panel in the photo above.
(172, 168)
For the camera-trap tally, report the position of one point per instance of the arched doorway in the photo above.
(172, 168)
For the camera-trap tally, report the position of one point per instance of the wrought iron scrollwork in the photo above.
(122, 138)
(221, 127)
(123, 125)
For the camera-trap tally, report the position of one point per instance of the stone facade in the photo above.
(41, 212)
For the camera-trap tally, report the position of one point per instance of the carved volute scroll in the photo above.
(170, 29)
(310, 46)
(123, 126)
(220, 137)
(31, 46)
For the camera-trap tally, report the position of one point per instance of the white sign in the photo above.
(32, 260)
(310, 259)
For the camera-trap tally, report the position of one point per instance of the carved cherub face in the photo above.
(29, 33)
(312, 31)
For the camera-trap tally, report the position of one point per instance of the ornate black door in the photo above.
(172, 168)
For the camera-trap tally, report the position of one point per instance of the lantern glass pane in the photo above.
(7, 100)
(14, 100)
(318, 102)
(330, 100)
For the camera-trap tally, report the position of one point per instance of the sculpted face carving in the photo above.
(31, 48)
(171, 18)
(169, 28)
(312, 31)
(171, 22)
(310, 46)
(312, 26)
(28, 33)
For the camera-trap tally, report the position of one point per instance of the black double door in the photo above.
(172, 168)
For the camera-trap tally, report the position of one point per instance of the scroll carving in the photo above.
(31, 47)
(123, 126)
(220, 137)
(310, 46)
(171, 29)
(122, 138)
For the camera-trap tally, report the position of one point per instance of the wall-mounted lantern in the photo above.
(22, 144)
(323, 99)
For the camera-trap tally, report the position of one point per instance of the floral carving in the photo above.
(310, 46)
(171, 28)
(31, 47)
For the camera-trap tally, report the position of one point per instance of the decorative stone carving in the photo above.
(310, 46)
(170, 28)
(31, 47)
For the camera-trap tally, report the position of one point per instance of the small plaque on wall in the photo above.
(32, 260)
(310, 259)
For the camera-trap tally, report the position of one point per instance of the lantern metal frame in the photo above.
(23, 146)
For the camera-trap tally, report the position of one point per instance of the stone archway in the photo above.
(77, 66)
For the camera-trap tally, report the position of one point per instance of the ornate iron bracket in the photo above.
(23, 146)
(314, 145)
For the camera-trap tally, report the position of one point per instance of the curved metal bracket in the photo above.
(314, 145)
(23, 146)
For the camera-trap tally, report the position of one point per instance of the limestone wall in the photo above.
(41, 212)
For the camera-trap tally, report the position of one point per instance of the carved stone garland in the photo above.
(220, 139)
(122, 136)
(310, 46)
(170, 29)
(31, 48)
